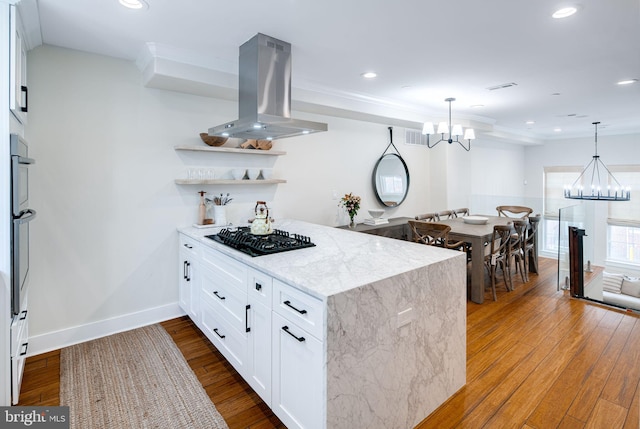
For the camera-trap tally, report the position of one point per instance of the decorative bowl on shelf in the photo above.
(376, 213)
(253, 173)
(238, 173)
(213, 140)
(267, 173)
(475, 220)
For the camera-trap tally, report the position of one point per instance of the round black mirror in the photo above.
(391, 180)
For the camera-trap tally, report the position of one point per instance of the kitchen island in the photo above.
(383, 322)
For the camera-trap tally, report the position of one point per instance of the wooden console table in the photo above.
(397, 227)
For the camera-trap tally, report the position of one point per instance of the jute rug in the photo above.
(135, 379)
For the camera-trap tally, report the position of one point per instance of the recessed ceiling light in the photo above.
(627, 82)
(530, 122)
(134, 4)
(369, 75)
(564, 12)
(557, 130)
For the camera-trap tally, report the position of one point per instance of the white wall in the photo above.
(104, 244)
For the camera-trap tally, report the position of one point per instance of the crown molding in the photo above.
(164, 67)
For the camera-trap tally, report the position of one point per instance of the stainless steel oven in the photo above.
(22, 214)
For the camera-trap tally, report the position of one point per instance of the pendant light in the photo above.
(601, 180)
(454, 131)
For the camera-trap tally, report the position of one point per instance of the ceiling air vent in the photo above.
(502, 86)
(414, 137)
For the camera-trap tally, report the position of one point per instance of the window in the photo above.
(555, 180)
(623, 222)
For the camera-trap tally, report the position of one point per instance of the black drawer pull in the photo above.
(184, 270)
(218, 334)
(24, 315)
(288, 304)
(215, 292)
(188, 246)
(188, 271)
(247, 328)
(286, 329)
(24, 352)
(258, 287)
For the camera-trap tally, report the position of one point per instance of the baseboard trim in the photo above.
(49, 341)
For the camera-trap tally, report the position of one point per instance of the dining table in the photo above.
(477, 235)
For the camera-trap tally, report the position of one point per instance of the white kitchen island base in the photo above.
(366, 331)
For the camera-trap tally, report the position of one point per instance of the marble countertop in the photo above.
(340, 261)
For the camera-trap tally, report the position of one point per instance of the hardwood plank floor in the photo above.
(535, 359)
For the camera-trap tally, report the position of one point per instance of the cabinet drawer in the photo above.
(19, 334)
(228, 270)
(299, 307)
(259, 287)
(227, 299)
(189, 245)
(227, 340)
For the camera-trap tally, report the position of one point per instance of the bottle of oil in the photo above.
(202, 209)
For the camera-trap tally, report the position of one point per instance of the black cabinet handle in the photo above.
(246, 319)
(184, 270)
(215, 292)
(188, 271)
(286, 329)
(24, 314)
(26, 98)
(288, 304)
(218, 333)
(24, 352)
(188, 246)
(258, 287)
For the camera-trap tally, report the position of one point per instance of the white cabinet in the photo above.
(225, 316)
(19, 346)
(297, 375)
(297, 367)
(269, 331)
(188, 278)
(259, 336)
(18, 91)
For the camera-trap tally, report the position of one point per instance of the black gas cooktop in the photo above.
(258, 245)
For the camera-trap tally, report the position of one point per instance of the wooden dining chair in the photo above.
(514, 211)
(515, 249)
(461, 212)
(445, 214)
(427, 217)
(433, 234)
(528, 246)
(496, 255)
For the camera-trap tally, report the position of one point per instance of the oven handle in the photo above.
(25, 160)
(25, 216)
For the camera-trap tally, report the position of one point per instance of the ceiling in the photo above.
(423, 51)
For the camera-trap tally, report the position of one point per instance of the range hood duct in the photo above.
(264, 101)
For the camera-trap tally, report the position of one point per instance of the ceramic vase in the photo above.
(220, 215)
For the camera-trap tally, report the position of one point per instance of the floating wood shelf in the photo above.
(230, 150)
(229, 182)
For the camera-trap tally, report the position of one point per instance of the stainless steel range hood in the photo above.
(264, 102)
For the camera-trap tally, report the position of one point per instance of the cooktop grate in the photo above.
(258, 245)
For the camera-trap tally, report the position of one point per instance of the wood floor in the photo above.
(535, 359)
